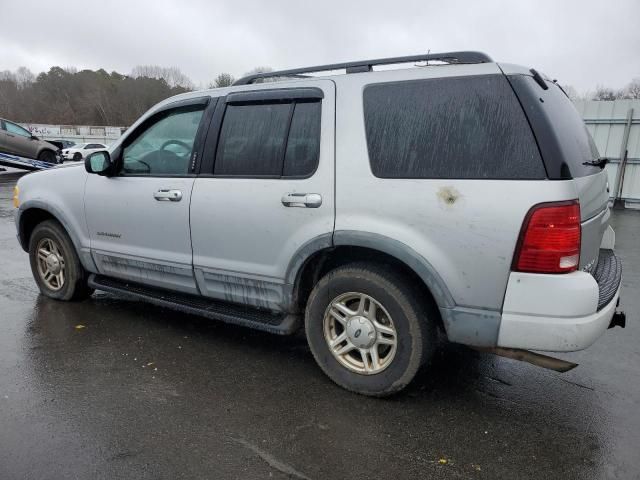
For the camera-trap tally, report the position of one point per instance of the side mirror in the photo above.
(99, 163)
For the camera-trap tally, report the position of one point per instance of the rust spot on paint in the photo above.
(448, 195)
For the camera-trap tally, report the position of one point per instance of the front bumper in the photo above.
(560, 313)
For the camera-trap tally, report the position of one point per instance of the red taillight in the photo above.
(550, 239)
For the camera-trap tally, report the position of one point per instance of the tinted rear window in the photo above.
(461, 127)
(564, 140)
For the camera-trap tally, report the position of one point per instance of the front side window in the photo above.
(165, 146)
(17, 129)
(269, 140)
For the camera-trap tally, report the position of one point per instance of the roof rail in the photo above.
(367, 65)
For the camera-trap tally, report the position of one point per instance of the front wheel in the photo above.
(55, 264)
(77, 157)
(47, 156)
(368, 329)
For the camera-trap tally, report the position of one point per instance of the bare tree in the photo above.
(606, 93)
(7, 76)
(571, 92)
(172, 75)
(222, 80)
(263, 69)
(24, 77)
(632, 90)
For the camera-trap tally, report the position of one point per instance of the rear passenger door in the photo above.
(266, 191)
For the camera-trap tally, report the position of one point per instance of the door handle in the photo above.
(305, 200)
(168, 195)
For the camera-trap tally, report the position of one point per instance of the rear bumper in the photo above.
(560, 313)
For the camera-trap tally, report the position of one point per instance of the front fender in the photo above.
(83, 250)
(60, 193)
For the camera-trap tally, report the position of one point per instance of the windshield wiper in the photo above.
(600, 162)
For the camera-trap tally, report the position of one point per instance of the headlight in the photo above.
(16, 199)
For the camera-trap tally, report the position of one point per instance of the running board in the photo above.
(277, 323)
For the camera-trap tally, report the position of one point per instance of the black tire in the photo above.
(77, 157)
(74, 286)
(415, 327)
(47, 156)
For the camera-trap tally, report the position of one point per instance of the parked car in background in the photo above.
(80, 150)
(17, 140)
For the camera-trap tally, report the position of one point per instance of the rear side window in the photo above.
(461, 127)
(303, 145)
(269, 140)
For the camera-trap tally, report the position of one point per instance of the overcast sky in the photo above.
(582, 43)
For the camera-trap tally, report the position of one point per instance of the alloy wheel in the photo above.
(51, 264)
(360, 333)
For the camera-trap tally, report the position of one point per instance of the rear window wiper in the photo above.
(600, 162)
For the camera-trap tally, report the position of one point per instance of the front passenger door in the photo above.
(139, 219)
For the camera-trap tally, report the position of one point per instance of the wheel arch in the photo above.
(29, 219)
(34, 212)
(41, 150)
(322, 255)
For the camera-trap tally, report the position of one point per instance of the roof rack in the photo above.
(367, 65)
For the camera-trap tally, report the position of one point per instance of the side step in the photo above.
(278, 323)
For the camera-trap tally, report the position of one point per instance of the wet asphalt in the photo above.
(140, 392)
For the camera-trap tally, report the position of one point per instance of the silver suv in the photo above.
(379, 210)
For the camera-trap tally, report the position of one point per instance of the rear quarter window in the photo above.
(565, 143)
(462, 127)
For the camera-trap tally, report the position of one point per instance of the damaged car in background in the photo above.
(17, 140)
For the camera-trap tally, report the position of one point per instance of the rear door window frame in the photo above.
(291, 96)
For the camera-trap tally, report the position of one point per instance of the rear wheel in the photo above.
(55, 264)
(368, 329)
(47, 156)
